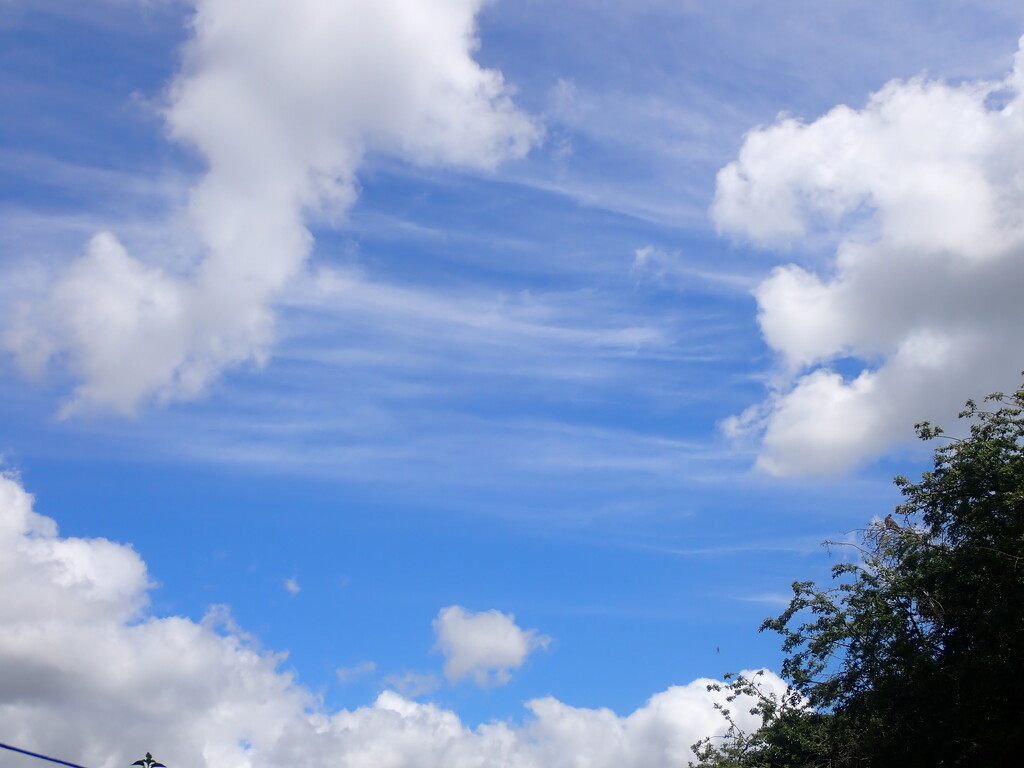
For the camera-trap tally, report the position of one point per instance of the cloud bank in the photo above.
(87, 674)
(922, 191)
(282, 101)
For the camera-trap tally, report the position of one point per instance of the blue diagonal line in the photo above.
(41, 757)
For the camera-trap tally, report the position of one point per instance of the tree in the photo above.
(791, 733)
(915, 655)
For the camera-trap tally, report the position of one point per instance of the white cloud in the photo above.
(282, 101)
(292, 585)
(87, 674)
(674, 270)
(780, 599)
(485, 646)
(350, 674)
(412, 685)
(922, 191)
(562, 325)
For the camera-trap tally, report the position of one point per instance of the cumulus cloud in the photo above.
(88, 674)
(485, 646)
(922, 192)
(282, 101)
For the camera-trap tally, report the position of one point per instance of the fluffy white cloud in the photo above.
(87, 674)
(485, 646)
(282, 100)
(922, 191)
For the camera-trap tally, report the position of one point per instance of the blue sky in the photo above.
(587, 321)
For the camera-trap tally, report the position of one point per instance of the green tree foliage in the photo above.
(915, 655)
(792, 733)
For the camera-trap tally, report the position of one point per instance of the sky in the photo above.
(417, 383)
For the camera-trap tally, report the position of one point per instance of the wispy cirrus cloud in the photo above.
(348, 675)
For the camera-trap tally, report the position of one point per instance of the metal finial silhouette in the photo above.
(149, 762)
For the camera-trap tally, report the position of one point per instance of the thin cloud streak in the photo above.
(779, 599)
(803, 545)
(534, 320)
